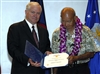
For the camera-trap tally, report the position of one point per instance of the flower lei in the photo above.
(77, 39)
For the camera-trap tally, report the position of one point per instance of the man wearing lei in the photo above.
(76, 39)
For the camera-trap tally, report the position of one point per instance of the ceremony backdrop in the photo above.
(12, 11)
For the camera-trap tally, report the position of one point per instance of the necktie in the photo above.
(35, 36)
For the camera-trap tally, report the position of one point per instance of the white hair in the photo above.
(32, 4)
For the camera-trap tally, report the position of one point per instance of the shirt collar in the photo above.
(30, 25)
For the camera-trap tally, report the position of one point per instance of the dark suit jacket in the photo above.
(17, 35)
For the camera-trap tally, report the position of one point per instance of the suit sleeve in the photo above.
(13, 46)
(48, 42)
(44, 40)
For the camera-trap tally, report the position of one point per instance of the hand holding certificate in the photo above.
(55, 60)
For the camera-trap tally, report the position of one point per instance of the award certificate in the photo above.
(55, 60)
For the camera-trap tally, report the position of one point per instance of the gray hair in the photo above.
(32, 4)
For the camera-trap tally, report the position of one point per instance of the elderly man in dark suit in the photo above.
(20, 32)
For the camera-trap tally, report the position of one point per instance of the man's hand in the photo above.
(72, 59)
(48, 52)
(35, 64)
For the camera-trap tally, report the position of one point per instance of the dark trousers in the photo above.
(77, 69)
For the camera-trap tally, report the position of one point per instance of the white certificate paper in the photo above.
(56, 60)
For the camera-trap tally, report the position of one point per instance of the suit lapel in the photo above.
(40, 32)
(27, 30)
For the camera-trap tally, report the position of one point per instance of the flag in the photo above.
(92, 20)
(92, 13)
(42, 20)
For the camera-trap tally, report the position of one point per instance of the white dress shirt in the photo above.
(35, 28)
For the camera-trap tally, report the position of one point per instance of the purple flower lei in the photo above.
(77, 39)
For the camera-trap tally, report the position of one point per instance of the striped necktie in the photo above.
(35, 36)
